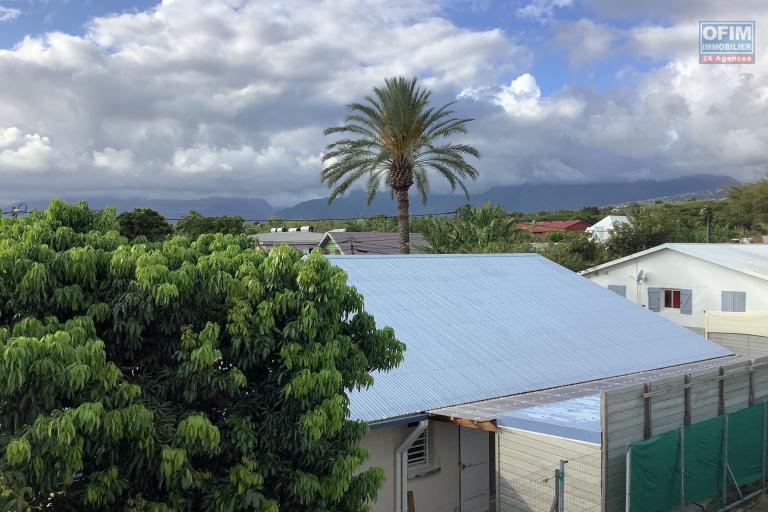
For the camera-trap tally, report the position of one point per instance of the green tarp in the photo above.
(655, 471)
(703, 459)
(655, 476)
(745, 444)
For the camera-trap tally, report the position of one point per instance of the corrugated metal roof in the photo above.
(487, 410)
(485, 326)
(372, 242)
(751, 259)
(577, 418)
(290, 237)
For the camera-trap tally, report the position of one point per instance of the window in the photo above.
(618, 289)
(418, 453)
(672, 299)
(734, 301)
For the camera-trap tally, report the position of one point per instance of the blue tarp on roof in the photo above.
(485, 326)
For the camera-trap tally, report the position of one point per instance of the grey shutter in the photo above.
(619, 289)
(686, 302)
(654, 299)
(733, 301)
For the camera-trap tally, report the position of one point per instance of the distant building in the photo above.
(601, 231)
(542, 227)
(350, 243)
(682, 282)
(302, 239)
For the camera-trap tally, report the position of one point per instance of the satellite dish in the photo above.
(641, 277)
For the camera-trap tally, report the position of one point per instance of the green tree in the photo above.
(651, 226)
(144, 222)
(177, 376)
(397, 137)
(194, 224)
(748, 203)
(486, 229)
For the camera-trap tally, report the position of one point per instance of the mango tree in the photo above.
(182, 375)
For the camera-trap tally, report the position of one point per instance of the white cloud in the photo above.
(114, 159)
(9, 13)
(232, 94)
(20, 152)
(542, 10)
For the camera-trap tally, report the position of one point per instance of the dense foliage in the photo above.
(194, 224)
(183, 375)
(744, 214)
(397, 138)
(144, 222)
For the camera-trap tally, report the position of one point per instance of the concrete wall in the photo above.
(433, 491)
(742, 344)
(624, 412)
(526, 461)
(671, 269)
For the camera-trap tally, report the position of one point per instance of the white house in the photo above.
(601, 231)
(681, 282)
(484, 335)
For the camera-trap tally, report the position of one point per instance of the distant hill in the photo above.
(526, 198)
(523, 198)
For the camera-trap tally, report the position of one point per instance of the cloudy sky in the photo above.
(193, 98)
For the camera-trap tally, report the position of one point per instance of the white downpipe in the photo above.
(401, 467)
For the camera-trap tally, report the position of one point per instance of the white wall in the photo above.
(670, 269)
(435, 492)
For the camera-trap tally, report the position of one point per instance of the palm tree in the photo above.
(395, 136)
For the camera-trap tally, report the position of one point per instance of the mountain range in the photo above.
(525, 198)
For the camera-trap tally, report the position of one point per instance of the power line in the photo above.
(379, 216)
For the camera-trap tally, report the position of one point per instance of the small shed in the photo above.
(533, 440)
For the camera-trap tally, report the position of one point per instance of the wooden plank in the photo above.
(489, 426)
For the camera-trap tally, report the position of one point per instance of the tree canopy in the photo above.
(144, 222)
(182, 375)
(195, 224)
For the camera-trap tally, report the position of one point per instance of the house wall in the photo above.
(434, 491)
(526, 463)
(671, 269)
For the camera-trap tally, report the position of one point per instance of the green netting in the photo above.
(703, 459)
(655, 463)
(745, 439)
(655, 474)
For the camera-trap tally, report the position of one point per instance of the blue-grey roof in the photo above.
(750, 259)
(578, 418)
(485, 326)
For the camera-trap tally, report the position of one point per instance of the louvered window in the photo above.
(418, 453)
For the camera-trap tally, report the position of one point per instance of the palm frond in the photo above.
(394, 137)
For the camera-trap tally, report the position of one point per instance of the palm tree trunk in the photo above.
(403, 220)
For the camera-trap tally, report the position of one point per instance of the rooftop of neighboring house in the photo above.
(369, 242)
(545, 226)
(290, 238)
(751, 259)
(481, 326)
(607, 223)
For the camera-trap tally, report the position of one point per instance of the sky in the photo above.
(198, 98)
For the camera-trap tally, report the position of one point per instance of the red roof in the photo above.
(544, 226)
